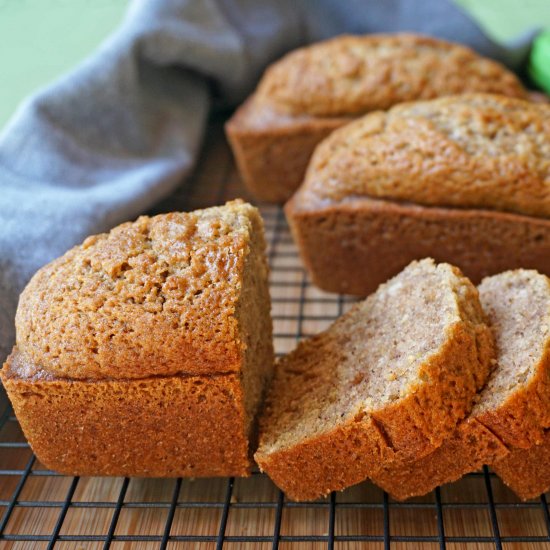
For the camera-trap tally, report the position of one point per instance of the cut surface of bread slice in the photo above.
(391, 378)
(513, 409)
(146, 351)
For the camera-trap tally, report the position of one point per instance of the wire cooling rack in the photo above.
(43, 510)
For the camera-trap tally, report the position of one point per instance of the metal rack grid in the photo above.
(44, 510)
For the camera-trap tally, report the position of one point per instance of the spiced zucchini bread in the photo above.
(465, 179)
(146, 351)
(312, 91)
(512, 411)
(389, 379)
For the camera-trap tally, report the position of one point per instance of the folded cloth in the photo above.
(105, 142)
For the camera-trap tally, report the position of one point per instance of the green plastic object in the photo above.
(539, 61)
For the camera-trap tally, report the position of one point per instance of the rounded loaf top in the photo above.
(474, 150)
(157, 296)
(352, 75)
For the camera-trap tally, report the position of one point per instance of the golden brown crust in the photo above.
(474, 150)
(470, 447)
(526, 471)
(353, 246)
(351, 75)
(154, 427)
(155, 297)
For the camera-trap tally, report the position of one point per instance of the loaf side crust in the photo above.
(526, 471)
(353, 246)
(470, 447)
(189, 426)
(272, 150)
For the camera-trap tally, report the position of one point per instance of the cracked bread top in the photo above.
(157, 296)
(352, 75)
(475, 150)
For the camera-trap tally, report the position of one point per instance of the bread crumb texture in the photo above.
(467, 151)
(515, 402)
(517, 304)
(157, 296)
(352, 75)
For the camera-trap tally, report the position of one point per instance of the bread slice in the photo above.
(513, 409)
(389, 379)
(146, 351)
(461, 179)
(316, 89)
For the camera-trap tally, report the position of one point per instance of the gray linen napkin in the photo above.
(108, 140)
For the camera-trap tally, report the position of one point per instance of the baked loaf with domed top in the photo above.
(388, 380)
(314, 90)
(146, 351)
(465, 179)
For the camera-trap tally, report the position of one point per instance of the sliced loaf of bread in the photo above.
(146, 351)
(512, 410)
(388, 380)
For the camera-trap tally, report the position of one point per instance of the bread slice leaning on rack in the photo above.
(512, 410)
(389, 379)
(146, 351)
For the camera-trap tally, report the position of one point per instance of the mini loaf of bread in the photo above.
(513, 409)
(145, 351)
(389, 379)
(314, 90)
(464, 179)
